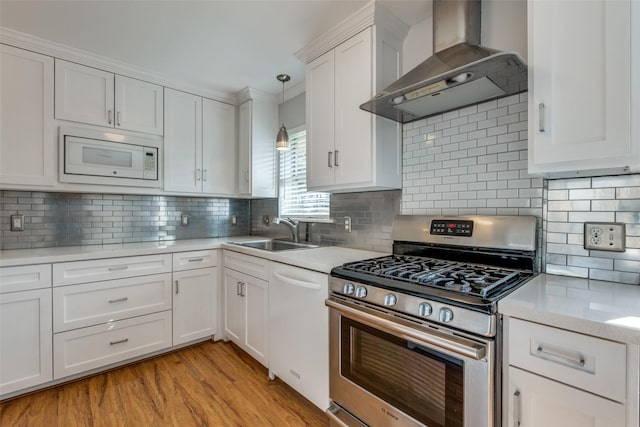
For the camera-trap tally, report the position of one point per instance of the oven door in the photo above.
(386, 370)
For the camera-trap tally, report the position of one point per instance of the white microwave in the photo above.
(106, 158)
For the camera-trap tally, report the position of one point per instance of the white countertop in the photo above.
(321, 259)
(603, 309)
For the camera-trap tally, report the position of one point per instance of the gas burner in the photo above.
(465, 278)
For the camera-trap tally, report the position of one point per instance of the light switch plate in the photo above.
(17, 222)
(604, 236)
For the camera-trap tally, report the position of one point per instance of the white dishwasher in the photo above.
(299, 331)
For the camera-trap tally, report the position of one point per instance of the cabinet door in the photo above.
(182, 142)
(256, 336)
(25, 339)
(535, 401)
(138, 106)
(233, 307)
(84, 94)
(27, 134)
(353, 153)
(579, 88)
(219, 148)
(264, 127)
(244, 148)
(194, 304)
(320, 103)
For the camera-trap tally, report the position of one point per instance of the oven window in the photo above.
(422, 383)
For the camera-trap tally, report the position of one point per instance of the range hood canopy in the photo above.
(460, 73)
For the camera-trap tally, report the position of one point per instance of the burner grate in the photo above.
(474, 279)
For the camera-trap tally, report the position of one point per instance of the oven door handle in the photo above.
(454, 344)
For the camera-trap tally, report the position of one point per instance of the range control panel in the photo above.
(445, 227)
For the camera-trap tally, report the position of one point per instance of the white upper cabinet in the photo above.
(219, 148)
(200, 145)
(257, 130)
(583, 88)
(138, 106)
(92, 96)
(350, 149)
(27, 133)
(182, 142)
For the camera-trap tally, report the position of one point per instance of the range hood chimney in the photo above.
(460, 72)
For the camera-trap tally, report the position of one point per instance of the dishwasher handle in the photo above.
(299, 283)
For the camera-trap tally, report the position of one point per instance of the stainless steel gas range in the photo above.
(415, 337)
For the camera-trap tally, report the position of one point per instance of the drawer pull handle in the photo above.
(119, 268)
(516, 408)
(196, 260)
(578, 361)
(123, 299)
(119, 341)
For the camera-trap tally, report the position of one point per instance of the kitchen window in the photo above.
(295, 201)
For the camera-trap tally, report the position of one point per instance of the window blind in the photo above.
(295, 200)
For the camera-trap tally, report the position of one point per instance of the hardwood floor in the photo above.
(208, 384)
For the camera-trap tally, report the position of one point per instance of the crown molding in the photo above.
(249, 93)
(58, 50)
(372, 13)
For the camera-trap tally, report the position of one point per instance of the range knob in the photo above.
(361, 292)
(424, 309)
(348, 289)
(445, 315)
(390, 300)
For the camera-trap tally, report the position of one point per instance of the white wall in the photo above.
(504, 27)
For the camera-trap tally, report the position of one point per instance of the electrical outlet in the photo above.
(184, 220)
(604, 236)
(266, 220)
(17, 222)
(347, 224)
(234, 220)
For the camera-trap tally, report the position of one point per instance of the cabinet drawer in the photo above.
(89, 348)
(592, 364)
(24, 278)
(88, 304)
(69, 273)
(247, 264)
(194, 259)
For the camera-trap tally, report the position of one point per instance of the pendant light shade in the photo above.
(282, 140)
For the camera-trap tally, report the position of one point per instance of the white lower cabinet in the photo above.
(96, 346)
(194, 304)
(536, 401)
(246, 308)
(87, 304)
(25, 339)
(299, 331)
(559, 378)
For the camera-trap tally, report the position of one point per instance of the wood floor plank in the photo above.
(208, 384)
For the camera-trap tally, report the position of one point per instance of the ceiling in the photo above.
(219, 45)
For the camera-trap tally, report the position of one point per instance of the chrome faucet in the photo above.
(292, 224)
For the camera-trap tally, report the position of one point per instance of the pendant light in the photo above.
(282, 140)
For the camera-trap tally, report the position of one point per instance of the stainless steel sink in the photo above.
(276, 245)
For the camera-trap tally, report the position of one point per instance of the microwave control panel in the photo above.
(150, 163)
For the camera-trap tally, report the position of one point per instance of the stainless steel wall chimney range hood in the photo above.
(460, 73)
